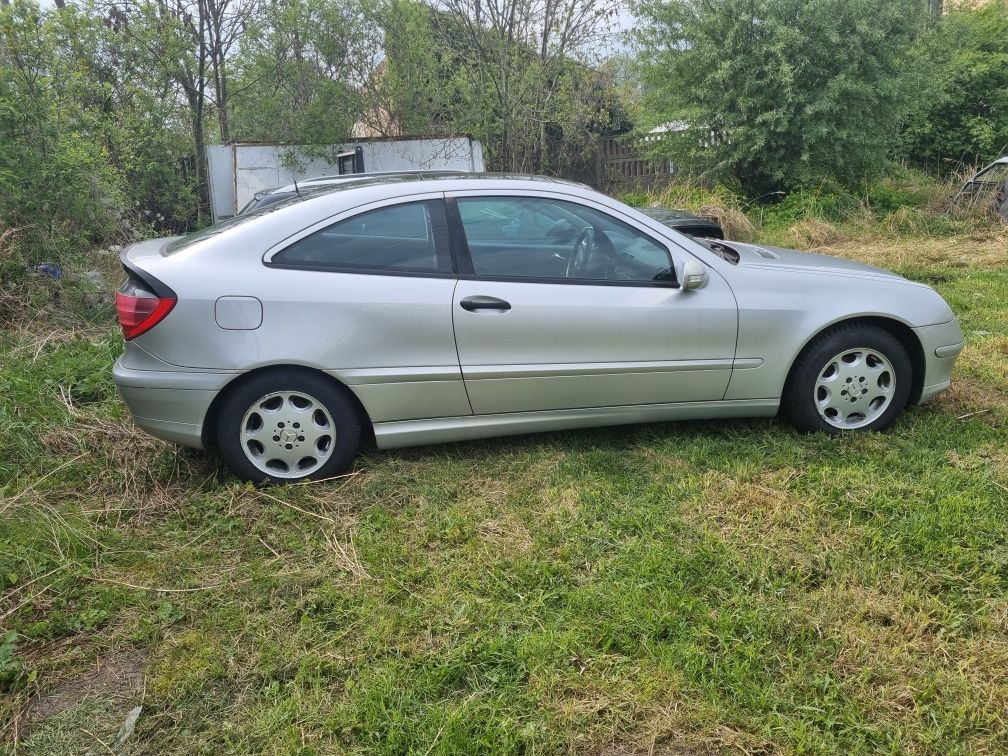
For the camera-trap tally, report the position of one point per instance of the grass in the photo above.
(680, 589)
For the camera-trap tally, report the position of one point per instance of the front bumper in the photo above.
(169, 404)
(942, 344)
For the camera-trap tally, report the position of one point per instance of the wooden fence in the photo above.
(621, 164)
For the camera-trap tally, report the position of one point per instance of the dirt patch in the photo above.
(968, 398)
(118, 676)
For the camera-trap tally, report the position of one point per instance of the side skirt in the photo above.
(400, 433)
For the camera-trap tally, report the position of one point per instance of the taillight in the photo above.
(139, 309)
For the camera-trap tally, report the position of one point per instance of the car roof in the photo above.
(358, 180)
(350, 177)
(397, 177)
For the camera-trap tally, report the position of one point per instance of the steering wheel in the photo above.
(584, 249)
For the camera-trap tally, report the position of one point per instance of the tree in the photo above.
(57, 185)
(92, 134)
(962, 114)
(777, 93)
(300, 70)
(512, 73)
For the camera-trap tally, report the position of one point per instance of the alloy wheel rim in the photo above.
(287, 434)
(854, 388)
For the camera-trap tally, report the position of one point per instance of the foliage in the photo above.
(514, 79)
(962, 114)
(777, 93)
(299, 72)
(908, 203)
(89, 150)
(10, 665)
(56, 184)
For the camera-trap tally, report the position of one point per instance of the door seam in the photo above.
(458, 355)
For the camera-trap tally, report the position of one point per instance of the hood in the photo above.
(753, 256)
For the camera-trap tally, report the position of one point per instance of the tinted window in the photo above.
(404, 238)
(531, 237)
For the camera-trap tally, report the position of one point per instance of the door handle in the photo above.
(480, 302)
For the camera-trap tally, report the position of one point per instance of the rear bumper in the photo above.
(168, 404)
(942, 344)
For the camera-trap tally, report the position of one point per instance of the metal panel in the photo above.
(221, 172)
(237, 172)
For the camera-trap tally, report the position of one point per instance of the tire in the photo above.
(853, 377)
(287, 425)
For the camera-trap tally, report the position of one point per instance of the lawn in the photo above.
(675, 589)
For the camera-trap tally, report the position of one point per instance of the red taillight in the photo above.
(138, 314)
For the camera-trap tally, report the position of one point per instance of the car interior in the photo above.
(527, 237)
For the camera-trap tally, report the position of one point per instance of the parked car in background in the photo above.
(418, 310)
(685, 222)
(991, 181)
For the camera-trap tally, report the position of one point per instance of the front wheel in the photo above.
(287, 425)
(851, 378)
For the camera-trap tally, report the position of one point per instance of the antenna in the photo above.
(298, 191)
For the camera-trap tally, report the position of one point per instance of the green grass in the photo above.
(687, 588)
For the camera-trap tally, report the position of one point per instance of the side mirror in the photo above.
(694, 275)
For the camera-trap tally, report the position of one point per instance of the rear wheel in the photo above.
(287, 425)
(851, 378)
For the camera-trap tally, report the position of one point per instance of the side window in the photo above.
(534, 237)
(411, 237)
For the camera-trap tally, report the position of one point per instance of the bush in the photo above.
(778, 94)
(962, 115)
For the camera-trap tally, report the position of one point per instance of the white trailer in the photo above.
(237, 171)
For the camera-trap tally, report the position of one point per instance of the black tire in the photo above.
(344, 440)
(798, 400)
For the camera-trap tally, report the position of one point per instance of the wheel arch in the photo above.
(896, 328)
(210, 420)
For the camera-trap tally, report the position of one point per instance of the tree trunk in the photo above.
(202, 183)
(222, 98)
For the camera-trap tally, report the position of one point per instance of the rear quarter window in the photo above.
(408, 238)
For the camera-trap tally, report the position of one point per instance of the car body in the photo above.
(686, 222)
(427, 310)
(990, 181)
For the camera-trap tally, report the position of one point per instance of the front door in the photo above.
(560, 305)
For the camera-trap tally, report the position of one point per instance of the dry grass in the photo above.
(722, 207)
(987, 251)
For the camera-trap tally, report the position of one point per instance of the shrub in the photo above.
(778, 94)
(962, 113)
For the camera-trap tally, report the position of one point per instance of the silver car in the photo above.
(417, 310)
